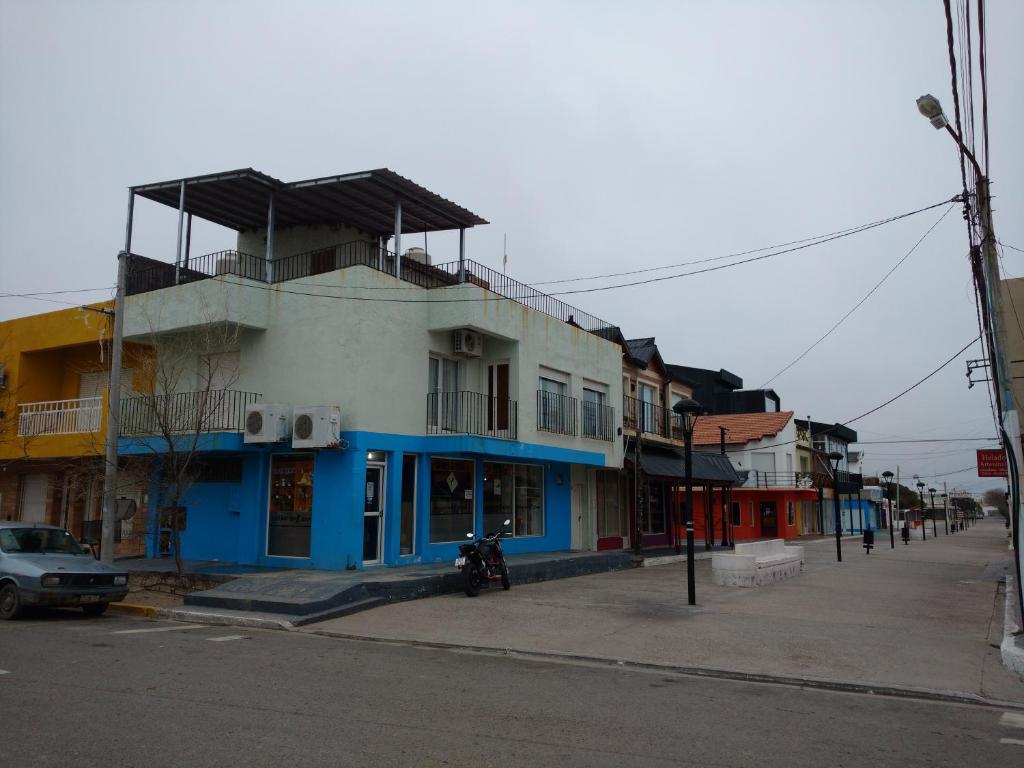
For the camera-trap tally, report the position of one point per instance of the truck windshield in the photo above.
(38, 540)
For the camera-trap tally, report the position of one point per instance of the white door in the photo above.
(373, 514)
(33, 498)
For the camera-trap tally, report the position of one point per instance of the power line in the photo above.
(34, 294)
(866, 296)
(1011, 247)
(819, 241)
(935, 440)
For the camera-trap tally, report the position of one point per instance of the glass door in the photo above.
(373, 514)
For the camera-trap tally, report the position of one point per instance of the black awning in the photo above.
(668, 462)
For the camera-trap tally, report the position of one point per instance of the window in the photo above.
(407, 528)
(554, 407)
(735, 512)
(442, 385)
(451, 499)
(753, 520)
(790, 514)
(610, 506)
(648, 407)
(654, 520)
(596, 415)
(514, 492)
(290, 517)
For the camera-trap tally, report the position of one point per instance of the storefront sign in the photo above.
(992, 462)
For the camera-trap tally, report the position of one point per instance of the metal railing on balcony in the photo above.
(60, 417)
(598, 420)
(215, 410)
(144, 274)
(556, 413)
(503, 285)
(646, 418)
(759, 478)
(472, 413)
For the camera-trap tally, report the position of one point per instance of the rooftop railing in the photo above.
(145, 274)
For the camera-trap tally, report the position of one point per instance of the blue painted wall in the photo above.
(228, 521)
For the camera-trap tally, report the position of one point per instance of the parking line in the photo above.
(1012, 719)
(225, 638)
(4, 672)
(156, 629)
(1018, 742)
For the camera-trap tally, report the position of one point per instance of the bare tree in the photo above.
(193, 372)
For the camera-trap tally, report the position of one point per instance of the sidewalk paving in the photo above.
(927, 616)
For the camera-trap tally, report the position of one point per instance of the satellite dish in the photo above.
(125, 509)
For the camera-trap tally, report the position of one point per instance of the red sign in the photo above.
(991, 462)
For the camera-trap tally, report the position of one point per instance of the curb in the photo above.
(131, 609)
(1012, 648)
(866, 689)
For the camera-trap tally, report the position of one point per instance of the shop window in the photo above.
(514, 492)
(219, 470)
(451, 499)
(790, 514)
(734, 509)
(654, 520)
(290, 518)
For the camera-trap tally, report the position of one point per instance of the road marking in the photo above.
(1018, 742)
(1012, 720)
(156, 629)
(4, 672)
(225, 638)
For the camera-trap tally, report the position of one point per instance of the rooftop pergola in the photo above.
(379, 202)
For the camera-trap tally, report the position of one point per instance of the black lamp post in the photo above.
(688, 410)
(887, 478)
(920, 495)
(836, 457)
(945, 512)
(935, 530)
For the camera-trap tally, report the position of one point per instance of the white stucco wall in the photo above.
(371, 357)
(289, 241)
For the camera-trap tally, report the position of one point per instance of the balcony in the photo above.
(556, 413)
(472, 413)
(60, 417)
(145, 274)
(758, 478)
(215, 410)
(650, 419)
(598, 421)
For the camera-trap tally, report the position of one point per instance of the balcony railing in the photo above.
(215, 410)
(759, 478)
(556, 413)
(145, 274)
(598, 420)
(60, 417)
(646, 418)
(472, 413)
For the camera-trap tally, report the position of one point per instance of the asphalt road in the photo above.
(115, 691)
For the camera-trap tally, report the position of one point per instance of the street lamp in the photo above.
(945, 512)
(688, 410)
(930, 107)
(935, 530)
(887, 477)
(920, 495)
(836, 457)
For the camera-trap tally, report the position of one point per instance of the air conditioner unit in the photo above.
(316, 426)
(267, 422)
(467, 343)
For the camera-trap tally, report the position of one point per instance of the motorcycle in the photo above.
(482, 561)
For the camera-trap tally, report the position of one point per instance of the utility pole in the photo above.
(114, 399)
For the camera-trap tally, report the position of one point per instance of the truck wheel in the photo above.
(10, 602)
(474, 579)
(95, 609)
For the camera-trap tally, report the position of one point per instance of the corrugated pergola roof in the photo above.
(239, 200)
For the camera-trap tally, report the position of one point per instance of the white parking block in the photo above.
(1012, 719)
(156, 629)
(225, 638)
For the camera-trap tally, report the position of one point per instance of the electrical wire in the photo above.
(863, 299)
(802, 243)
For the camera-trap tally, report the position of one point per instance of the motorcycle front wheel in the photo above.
(473, 579)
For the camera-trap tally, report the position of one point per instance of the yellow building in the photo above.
(54, 371)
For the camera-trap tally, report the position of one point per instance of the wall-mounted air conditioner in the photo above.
(316, 426)
(267, 422)
(467, 343)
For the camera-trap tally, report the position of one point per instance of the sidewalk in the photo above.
(927, 616)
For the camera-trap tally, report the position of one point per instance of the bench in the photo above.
(756, 563)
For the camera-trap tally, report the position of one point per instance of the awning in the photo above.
(668, 462)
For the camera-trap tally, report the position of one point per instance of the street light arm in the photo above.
(965, 150)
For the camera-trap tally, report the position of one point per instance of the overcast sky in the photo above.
(599, 137)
